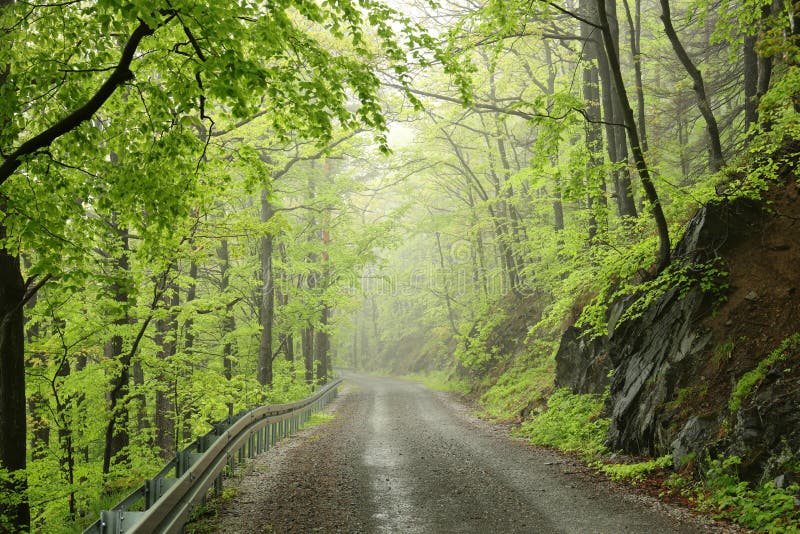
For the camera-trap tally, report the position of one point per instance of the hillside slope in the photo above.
(710, 367)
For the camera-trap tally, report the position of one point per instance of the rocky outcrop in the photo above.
(766, 432)
(652, 355)
(656, 353)
(584, 364)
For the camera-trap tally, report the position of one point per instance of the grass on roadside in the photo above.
(440, 381)
(319, 418)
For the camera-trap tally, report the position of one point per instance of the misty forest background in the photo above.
(205, 206)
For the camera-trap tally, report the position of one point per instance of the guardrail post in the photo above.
(118, 521)
(183, 461)
(218, 485)
(155, 488)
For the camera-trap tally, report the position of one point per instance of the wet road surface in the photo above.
(402, 459)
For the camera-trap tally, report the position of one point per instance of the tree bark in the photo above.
(37, 402)
(117, 438)
(13, 438)
(228, 324)
(663, 256)
(166, 332)
(267, 303)
(322, 346)
(703, 103)
(307, 345)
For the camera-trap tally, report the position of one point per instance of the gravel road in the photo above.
(399, 458)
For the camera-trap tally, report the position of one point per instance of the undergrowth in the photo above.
(517, 388)
(763, 508)
(441, 381)
(634, 472)
(572, 423)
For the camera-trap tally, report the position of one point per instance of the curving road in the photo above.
(399, 458)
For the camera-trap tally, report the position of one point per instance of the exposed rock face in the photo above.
(655, 354)
(581, 365)
(652, 354)
(766, 432)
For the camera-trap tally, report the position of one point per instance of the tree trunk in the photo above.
(228, 324)
(635, 28)
(663, 256)
(307, 345)
(322, 346)
(703, 103)
(65, 434)
(13, 438)
(750, 59)
(267, 303)
(446, 282)
(595, 180)
(184, 413)
(37, 402)
(166, 332)
(117, 438)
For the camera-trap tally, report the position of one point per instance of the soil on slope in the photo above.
(761, 307)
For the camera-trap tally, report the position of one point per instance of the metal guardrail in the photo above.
(167, 501)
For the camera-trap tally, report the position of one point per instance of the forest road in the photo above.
(400, 458)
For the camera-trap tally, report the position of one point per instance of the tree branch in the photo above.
(121, 75)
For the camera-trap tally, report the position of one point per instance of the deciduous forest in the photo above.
(207, 206)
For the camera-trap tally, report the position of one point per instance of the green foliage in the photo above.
(517, 388)
(474, 350)
(319, 418)
(572, 423)
(763, 508)
(678, 277)
(441, 381)
(748, 382)
(635, 472)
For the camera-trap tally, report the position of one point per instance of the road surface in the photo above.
(399, 458)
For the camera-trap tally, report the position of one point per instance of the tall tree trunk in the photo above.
(66, 432)
(322, 346)
(165, 338)
(184, 413)
(610, 99)
(37, 402)
(117, 438)
(286, 339)
(635, 29)
(595, 179)
(13, 421)
(307, 345)
(13, 438)
(446, 282)
(267, 303)
(228, 320)
(703, 103)
(663, 256)
(750, 59)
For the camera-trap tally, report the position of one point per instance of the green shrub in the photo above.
(571, 423)
(634, 472)
(516, 388)
(763, 508)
